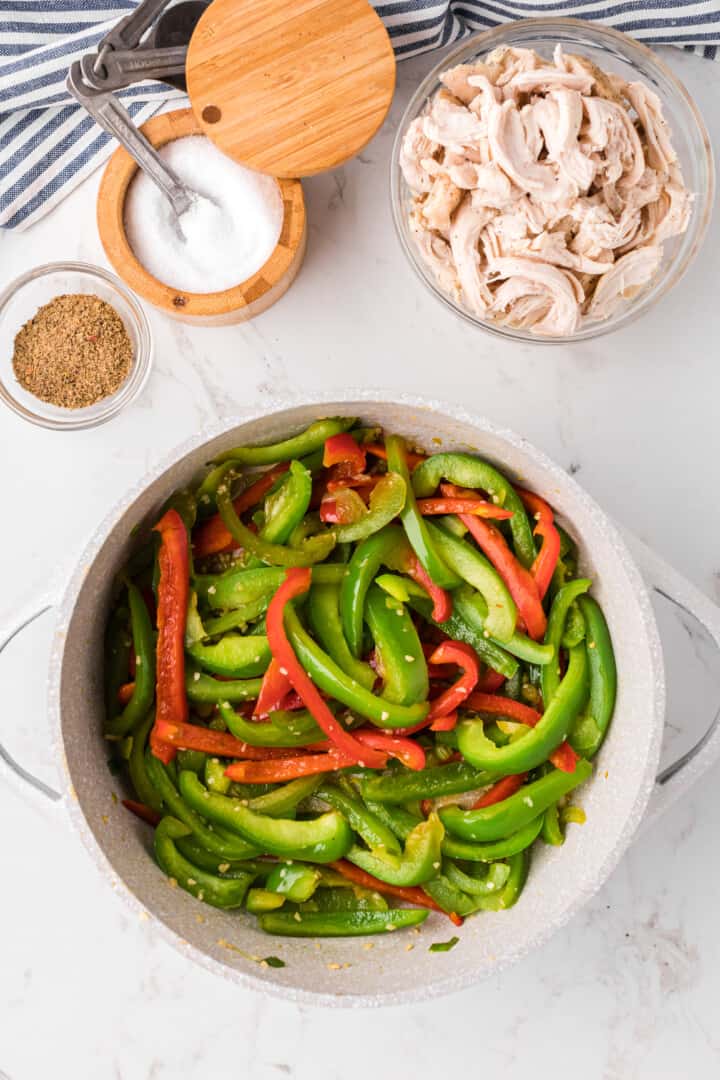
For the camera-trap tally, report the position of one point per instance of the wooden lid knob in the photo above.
(290, 88)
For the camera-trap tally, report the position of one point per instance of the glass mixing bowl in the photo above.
(21, 300)
(611, 51)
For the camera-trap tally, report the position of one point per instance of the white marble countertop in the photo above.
(629, 990)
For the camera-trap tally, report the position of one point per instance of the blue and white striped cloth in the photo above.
(48, 144)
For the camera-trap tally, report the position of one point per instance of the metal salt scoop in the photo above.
(121, 60)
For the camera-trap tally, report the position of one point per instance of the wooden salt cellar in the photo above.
(237, 304)
(287, 89)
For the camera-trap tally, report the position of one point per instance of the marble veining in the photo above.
(627, 990)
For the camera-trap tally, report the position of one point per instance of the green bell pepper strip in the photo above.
(313, 550)
(236, 588)
(214, 776)
(307, 442)
(261, 900)
(574, 631)
(522, 754)
(142, 785)
(402, 822)
(448, 896)
(322, 839)
(510, 893)
(220, 892)
(472, 566)
(226, 845)
(550, 679)
(377, 836)
(328, 677)
(453, 899)
(339, 898)
(184, 503)
(325, 622)
(117, 658)
(362, 569)
(206, 493)
(387, 500)
(405, 785)
(472, 607)
(457, 628)
(143, 642)
(237, 619)
(589, 730)
(551, 829)
(492, 880)
(202, 689)
(401, 588)
(493, 850)
(286, 506)
(191, 759)
(340, 923)
(401, 660)
(208, 860)
(499, 820)
(414, 524)
(237, 655)
(297, 728)
(285, 799)
(419, 861)
(470, 472)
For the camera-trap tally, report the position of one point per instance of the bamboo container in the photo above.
(237, 304)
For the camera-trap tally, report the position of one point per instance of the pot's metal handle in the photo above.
(29, 778)
(662, 579)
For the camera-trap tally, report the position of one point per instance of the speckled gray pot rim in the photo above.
(554, 473)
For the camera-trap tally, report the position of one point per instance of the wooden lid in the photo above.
(290, 87)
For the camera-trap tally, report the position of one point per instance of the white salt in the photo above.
(223, 241)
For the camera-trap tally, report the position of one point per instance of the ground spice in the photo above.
(73, 352)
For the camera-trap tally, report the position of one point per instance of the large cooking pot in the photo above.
(561, 880)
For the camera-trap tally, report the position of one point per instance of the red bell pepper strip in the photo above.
(435, 671)
(274, 690)
(220, 743)
(497, 705)
(277, 772)
(479, 507)
(140, 810)
(379, 451)
(297, 581)
(545, 562)
(563, 757)
(520, 582)
(343, 507)
(442, 600)
(445, 723)
(343, 448)
(502, 790)
(125, 692)
(411, 894)
(490, 681)
(212, 536)
(464, 657)
(339, 479)
(172, 604)
(409, 752)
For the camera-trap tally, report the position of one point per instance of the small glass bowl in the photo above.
(20, 301)
(611, 51)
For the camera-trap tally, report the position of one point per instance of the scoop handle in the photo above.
(678, 777)
(20, 771)
(114, 118)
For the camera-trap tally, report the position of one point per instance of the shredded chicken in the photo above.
(542, 191)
